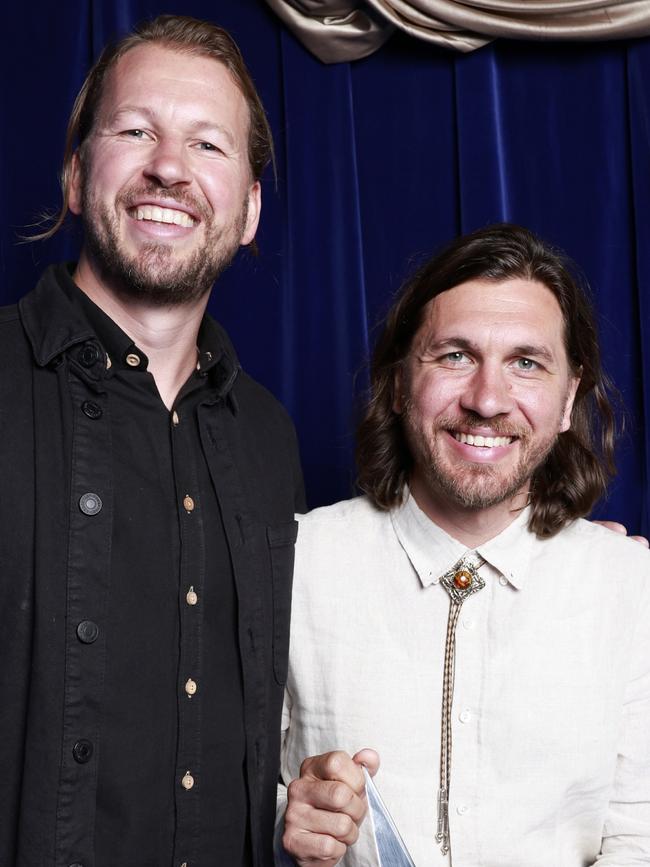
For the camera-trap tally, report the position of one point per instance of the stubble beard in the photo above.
(473, 486)
(154, 275)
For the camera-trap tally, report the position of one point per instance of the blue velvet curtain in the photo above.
(379, 162)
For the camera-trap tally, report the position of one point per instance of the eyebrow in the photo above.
(528, 350)
(194, 126)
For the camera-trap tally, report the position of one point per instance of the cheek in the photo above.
(433, 396)
(542, 410)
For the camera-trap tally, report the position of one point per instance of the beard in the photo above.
(155, 275)
(469, 485)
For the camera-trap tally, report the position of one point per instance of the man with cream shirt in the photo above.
(461, 619)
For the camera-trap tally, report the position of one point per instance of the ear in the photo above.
(574, 382)
(253, 213)
(74, 184)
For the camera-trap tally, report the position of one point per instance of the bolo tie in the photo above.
(461, 581)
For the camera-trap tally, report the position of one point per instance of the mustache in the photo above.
(470, 420)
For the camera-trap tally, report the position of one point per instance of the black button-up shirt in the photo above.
(174, 614)
(167, 537)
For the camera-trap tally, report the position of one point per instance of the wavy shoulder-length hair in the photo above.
(576, 471)
(179, 33)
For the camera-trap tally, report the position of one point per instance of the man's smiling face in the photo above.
(485, 391)
(163, 182)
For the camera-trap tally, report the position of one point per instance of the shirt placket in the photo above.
(88, 582)
(190, 682)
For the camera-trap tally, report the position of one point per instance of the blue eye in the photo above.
(526, 364)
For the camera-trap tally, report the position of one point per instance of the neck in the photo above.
(168, 335)
(471, 526)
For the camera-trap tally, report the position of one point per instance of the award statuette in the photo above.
(390, 846)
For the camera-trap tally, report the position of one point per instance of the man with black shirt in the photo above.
(150, 485)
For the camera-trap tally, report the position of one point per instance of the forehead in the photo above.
(483, 310)
(161, 77)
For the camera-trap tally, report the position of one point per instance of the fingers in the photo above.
(369, 759)
(613, 525)
(326, 805)
(622, 529)
(335, 766)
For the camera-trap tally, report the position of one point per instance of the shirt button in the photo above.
(468, 623)
(191, 597)
(461, 809)
(503, 580)
(436, 580)
(188, 503)
(133, 360)
(190, 686)
(175, 418)
(188, 781)
(464, 716)
(90, 504)
(76, 864)
(91, 409)
(88, 355)
(87, 632)
(82, 751)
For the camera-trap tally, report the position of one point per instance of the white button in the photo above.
(188, 781)
(461, 809)
(464, 716)
(190, 687)
(503, 580)
(468, 623)
(191, 598)
(175, 418)
(436, 580)
(132, 359)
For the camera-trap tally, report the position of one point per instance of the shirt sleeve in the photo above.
(626, 831)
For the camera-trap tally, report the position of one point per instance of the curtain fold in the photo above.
(336, 31)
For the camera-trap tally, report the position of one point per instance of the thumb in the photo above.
(369, 758)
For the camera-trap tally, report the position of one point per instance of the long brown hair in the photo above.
(576, 471)
(180, 33)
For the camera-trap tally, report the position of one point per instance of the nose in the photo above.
(487, 392)
(168, 164)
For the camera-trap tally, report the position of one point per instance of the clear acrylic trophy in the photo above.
(390, 846)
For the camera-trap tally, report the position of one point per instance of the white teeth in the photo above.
(164, 215)
(478, 440)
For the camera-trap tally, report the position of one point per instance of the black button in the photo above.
(88, 354)
(82, 751)
(87, 631)
(90, 504)
(92, 409)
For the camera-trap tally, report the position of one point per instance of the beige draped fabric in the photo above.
(341, 30)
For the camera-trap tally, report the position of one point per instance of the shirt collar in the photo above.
(433, 552)
(57, 316)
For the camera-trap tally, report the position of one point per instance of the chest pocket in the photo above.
(281, 540)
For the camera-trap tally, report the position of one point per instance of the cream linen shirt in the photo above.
(551, 711)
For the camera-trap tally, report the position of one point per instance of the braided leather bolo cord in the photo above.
(460, 582)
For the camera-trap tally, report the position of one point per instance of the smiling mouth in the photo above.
(156, 214)
(482, 441)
